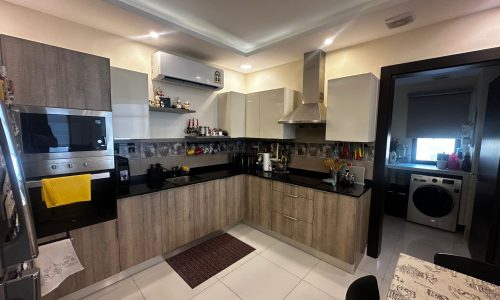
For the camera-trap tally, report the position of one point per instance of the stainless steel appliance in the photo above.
(19, 279)
(61, 142)
(434, 201)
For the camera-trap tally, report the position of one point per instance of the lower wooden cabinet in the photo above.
(206, 208)
(231, 200)
(293, 213)
(97, 249)
(340, 226)
(293, 228)
(139, 229)
(177, 211)
(259, 201)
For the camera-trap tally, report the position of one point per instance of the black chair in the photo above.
(364, 288)
(468, 266)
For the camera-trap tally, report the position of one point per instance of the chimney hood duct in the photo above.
(312, 110)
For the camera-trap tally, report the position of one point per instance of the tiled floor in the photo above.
(278, 271)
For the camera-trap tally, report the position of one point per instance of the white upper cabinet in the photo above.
(352, 108)
(264, 110)
(129, 104)
(231, 113)
(252, 113)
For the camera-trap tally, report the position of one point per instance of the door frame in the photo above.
(485, 57)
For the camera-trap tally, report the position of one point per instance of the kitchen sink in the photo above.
(183, 179)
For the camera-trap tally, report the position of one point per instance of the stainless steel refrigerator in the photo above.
(20, 279)
(484, 242)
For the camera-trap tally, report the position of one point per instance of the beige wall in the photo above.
(474, 32)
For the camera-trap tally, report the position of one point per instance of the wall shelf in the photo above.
(206, 138)
(171, 110)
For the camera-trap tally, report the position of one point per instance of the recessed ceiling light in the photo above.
(154, 34)
(328, 41)
(246, 67)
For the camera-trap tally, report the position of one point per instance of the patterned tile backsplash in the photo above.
(175, 152)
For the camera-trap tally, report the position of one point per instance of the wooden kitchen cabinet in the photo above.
(206, 208)
(231, 203)
(352, 108)
(340, 226)
(139, 229)
(264, 109)
(292, 213)
(293, 228)
(45, 75)
(259, 201)
(177, 217)
(231, 113)
(98, 251)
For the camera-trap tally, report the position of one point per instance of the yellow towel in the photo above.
(65, 190)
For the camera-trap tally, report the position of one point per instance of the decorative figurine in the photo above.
(157, 98)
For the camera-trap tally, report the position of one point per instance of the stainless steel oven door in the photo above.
(101, 208)
(48, 133)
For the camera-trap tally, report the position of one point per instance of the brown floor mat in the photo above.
(201, 262)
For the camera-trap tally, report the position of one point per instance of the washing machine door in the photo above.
(433, 201)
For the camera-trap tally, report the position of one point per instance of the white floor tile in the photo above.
(306, 291)
(260, 241)
(240, 230)
(125, 289)
(383, 288)
(236, 265)
(260, 279)
(162, 282)
(217, 291)
(377, 267)
(332, 280)
(290, 258)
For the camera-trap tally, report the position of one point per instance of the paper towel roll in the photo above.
(56, 261)
(266, 163)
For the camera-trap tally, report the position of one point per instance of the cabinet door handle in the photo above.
(294, 196)
(291, 218)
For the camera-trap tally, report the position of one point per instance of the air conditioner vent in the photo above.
(400, 20)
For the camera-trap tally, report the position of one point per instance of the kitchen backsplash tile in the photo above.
(303, 155)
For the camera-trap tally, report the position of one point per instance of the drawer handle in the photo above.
(294, 196)
(291, 218)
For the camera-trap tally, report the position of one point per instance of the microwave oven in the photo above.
(56, 141)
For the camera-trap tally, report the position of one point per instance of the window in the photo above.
(426, 149)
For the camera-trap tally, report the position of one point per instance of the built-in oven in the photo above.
(58, 142)
(101, 207)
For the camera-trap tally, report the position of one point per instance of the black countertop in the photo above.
(298, 177)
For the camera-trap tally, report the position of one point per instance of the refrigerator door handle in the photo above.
(23, 247)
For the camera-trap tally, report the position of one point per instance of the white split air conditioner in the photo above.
(178, 70)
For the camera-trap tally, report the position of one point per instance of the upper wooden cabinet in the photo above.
(45, 75)
(352, 108)
(231, 113)
(264, 110)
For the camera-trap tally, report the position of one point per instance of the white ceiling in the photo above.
(263, 33)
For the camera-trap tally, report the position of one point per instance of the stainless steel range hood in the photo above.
(312, 110)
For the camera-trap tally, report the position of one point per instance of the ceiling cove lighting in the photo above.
(246, 67)
(154, 34)
(328, 41)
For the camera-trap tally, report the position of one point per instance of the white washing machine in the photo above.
(434, 201)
